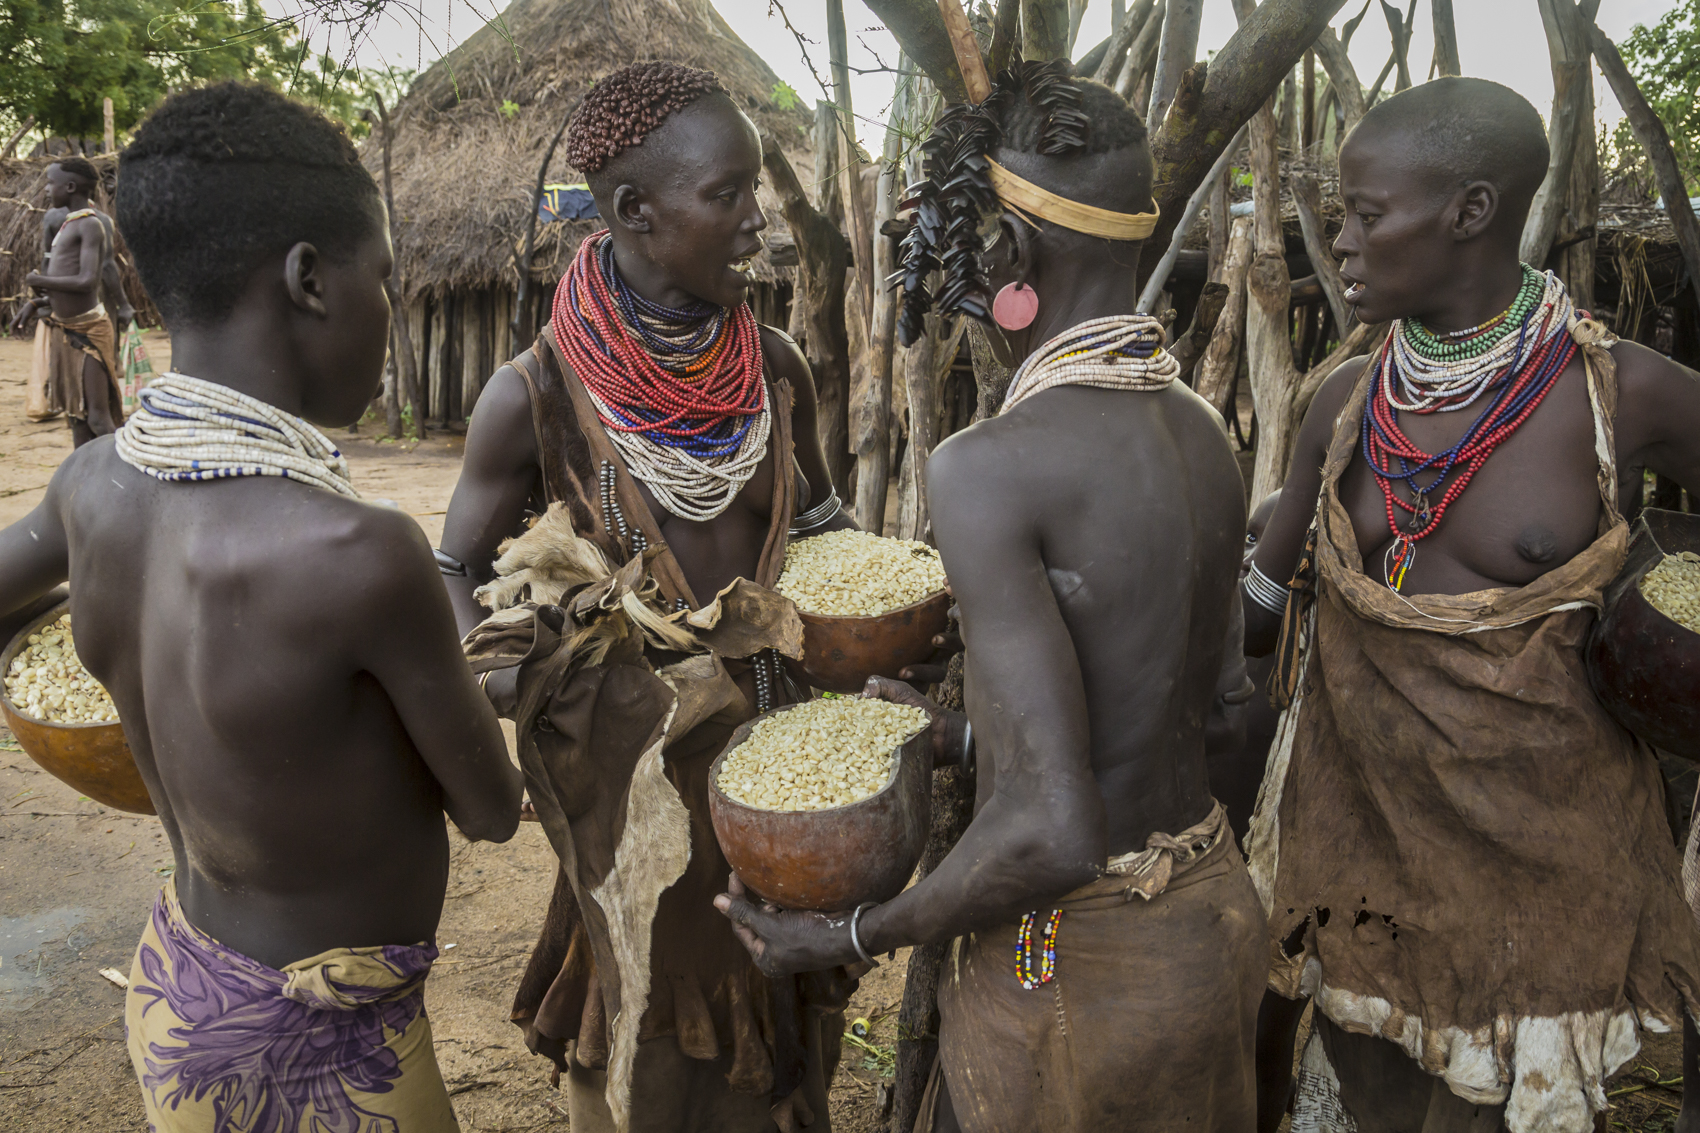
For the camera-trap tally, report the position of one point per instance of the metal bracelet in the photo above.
(855, 935)
(1266, 592)
(818, 515)
(967, 760)
(448, 564)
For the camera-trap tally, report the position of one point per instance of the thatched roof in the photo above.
(23, 200)
(464, 170)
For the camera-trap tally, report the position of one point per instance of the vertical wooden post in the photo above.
(1308, 131)
(1582, 206)
(1044, 29)
(873, 439)
(438, 360)
(1568, 47)
(850, 159)
(919, 368)
(829, 189)
(473, 361)
(1445, 40)
(108, 135)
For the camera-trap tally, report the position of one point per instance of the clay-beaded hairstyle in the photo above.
(623, 108)
(1036, 107)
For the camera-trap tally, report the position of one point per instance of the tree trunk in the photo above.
(1398, 28)
(849, 157)
(1269, 344)
(1206, 112)
(1650, 132)
(1219, 367)
(1044, 29)
(1189, 348)
(1219, 225)
(1445, 40)
(1307, 197)
(392, 387)
(1582, 209)
(1567, 44)
(1006, 35)
(1176, 52)
(873, 442)
(1076, 11)
(817, 309)
(919, 363)
(829, 189)
(395, 289)
(1307, 102)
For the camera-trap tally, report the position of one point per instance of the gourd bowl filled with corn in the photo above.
(825, 804)
(64, 719)
(870, 605)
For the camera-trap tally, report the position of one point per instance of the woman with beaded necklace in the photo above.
(1466, 860)
(668, 424)
(1109, 955)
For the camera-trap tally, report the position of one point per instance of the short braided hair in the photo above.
(625, 107)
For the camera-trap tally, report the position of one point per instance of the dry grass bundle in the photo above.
(472, 130)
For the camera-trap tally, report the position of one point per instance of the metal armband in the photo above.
(818, 515)
(1266, 592)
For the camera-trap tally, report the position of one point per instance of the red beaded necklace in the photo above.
(703, 407)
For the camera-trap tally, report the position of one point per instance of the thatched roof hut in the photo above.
(464, 154)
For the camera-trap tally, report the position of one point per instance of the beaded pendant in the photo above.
(1031, 975)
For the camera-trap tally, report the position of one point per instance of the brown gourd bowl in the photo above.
(94, 759)
(841, 653)
(1644, 667)
(828, 860)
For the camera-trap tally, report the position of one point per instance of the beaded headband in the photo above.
(1029, 200)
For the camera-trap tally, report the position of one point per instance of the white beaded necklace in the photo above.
(1429, 386)
(189, 429)
(1102, 353)
(688, 486)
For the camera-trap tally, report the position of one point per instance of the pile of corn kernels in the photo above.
(859, 574)
(826, 753)
(1673, 587)
(47, 682)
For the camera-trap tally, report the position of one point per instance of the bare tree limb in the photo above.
(1567, 44)
(1189, 348)
(12, 142)
(1398, 28)
(1132, 23)
(920, 31)
(1445, 39)
(1006, 33)
(396, 286)
(1269, 348)
(1307, 196)
(1205, 114)
(1651, 133)
(849, 155)
(1160, 275)
(873, 439)
(1044, 29)
(1176, 52)
(1341, 75)
(1142, 56)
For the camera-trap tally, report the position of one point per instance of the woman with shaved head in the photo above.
(1465, 859)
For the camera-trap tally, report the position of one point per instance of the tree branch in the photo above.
(1445, 40)
(919, 30)
(1132, 23)
(1176, 52)
(1567, 43)
(1241, 77)
(1307, 196)
(1341, 75)
(1044, 29)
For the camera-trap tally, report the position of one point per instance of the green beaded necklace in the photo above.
(1457, 346)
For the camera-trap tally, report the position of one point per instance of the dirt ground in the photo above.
(77, 881)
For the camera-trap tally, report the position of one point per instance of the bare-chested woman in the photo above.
(1466, 861)
(1109, 955)
(657, 411)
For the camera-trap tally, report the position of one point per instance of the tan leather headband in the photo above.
(1030, 200)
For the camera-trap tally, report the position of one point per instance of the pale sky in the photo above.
(1497, 39)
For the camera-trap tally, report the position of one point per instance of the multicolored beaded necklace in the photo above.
(681, 391)
(1117, 352)
(1517, 356)
(1032, 976)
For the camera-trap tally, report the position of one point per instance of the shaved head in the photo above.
(1455, 131)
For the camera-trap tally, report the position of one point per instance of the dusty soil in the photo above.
(77, 881)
